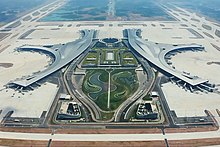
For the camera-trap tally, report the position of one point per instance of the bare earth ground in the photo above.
(215, 46)
(209, 63)
(172, 143)
(185, 130)
(28, 143)
(108, 131)
(25, 130)
(4, 48)
(83, 131)
(4, 35)
(194, 142)
(6, 65)
(109, 144)
(22, 143)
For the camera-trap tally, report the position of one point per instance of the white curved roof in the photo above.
(63, 54)
(156, 55)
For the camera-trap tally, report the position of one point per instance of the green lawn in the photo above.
(104, 75)
(107, 116)
(125, 59)
(125, 82)
(89, 87)
(147, 98)
(92, 58)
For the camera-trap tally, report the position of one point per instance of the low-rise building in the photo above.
(154, 96)
(64, 96)
(69, 111)
(147, 110)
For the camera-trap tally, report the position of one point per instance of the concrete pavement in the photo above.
(110, 137)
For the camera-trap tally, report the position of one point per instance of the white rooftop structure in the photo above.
(65, 96)
(155, 53)
(109, 56)
(62, 54)
(154, 94)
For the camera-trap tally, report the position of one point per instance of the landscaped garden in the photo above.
(123, 84)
